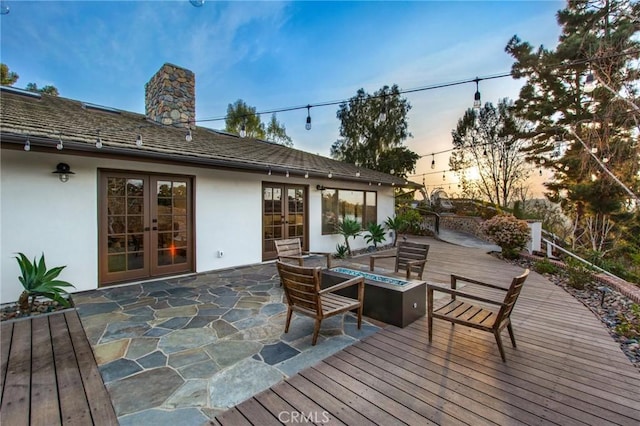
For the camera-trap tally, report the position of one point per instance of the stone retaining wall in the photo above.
(468, 224)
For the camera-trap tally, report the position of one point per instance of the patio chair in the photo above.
(409, 256)
(303, 293)
(291, 249)
(492, 320)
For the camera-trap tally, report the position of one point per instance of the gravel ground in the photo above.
(606, 303)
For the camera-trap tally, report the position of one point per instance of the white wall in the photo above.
(41, 214)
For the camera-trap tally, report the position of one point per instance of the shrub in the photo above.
(38, 281)
(412, 221)
(629, 325)
(509, 233)
(375, 234)
(341, 251)
(348, 228)
(395, 224)
(578, 274)
(545, 267)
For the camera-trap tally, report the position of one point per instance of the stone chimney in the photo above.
(170, 96)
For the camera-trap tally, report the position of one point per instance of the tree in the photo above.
(373, 129)
(489, 140)
(569, 125)
(240, 115)
(7, 78)
(277, 132)
(49, 90)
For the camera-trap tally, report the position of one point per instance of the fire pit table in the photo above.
(388, 299)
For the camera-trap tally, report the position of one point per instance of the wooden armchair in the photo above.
(479, 317)
(410, 257)
(303, 293)
(291, 249)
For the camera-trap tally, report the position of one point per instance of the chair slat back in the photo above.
(512, 296)
(290, 247)
(301, 285)
(408, 251)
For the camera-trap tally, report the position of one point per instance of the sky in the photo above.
(275, 55)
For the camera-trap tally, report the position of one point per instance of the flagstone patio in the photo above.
(190, 348)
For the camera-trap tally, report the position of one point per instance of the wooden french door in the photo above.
(145, 226)
(284, 215)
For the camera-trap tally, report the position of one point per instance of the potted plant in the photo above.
(38, 281)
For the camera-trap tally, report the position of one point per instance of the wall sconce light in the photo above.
(320, 187)
(63, 171)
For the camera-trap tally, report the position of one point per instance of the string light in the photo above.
(306, 175)
(287, 174)
(269, 172)
(383, 110)
(476, 97)
(330, 175)
(98, 141)
(243, 128)
(139, 141)
(60, 146)
(589, 83)
(189, 136)
(358, 173)
(27, 144)
(308, 125)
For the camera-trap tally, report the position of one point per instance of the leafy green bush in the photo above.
(510, 233)
(376, 234)
(38, 281)
(578, 274)
(545, 267)
(412, 221)
(341, 251)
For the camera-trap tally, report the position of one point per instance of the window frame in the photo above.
(337, 213)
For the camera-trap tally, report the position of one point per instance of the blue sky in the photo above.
(280, 54)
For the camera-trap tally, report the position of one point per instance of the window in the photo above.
(338, 204)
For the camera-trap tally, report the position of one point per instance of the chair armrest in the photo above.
(373, 258)
(455, 278)
(413, 263)
(322, 253)
(343, 284)
(432, 287)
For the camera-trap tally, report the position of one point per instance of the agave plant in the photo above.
(375, 234)
(38, 281)
(348, 228)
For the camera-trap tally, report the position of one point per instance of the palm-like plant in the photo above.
(38, 281)
(395, 224)
(348, 228)
(376, 234)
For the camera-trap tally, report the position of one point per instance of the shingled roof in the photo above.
(46, 120)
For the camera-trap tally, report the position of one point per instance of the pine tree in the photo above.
(571, 125)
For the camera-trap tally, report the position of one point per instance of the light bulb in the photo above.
(189, 136)
(287, 175)
(60, 146)
(98, 143)
(540, 172)
(330, 175)
(358, 173)
(306, 175)
(243, 130)
(308, 125)
(269, 172)
(433, 164)
(379, 184)
(27, 145)
(369, 183)
(566, 168)
(605, 160)
(139, 141)
(392, 171)
(594, 150)
(589, 83)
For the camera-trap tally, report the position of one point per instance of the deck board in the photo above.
(51, 375)
(566, 370)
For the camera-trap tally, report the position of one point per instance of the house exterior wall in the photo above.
(40, 214)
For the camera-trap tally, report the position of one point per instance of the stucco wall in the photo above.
(41, 214)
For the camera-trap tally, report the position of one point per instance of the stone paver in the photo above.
(181, 351)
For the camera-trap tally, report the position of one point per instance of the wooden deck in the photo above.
(567, 370)
(49, 375)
